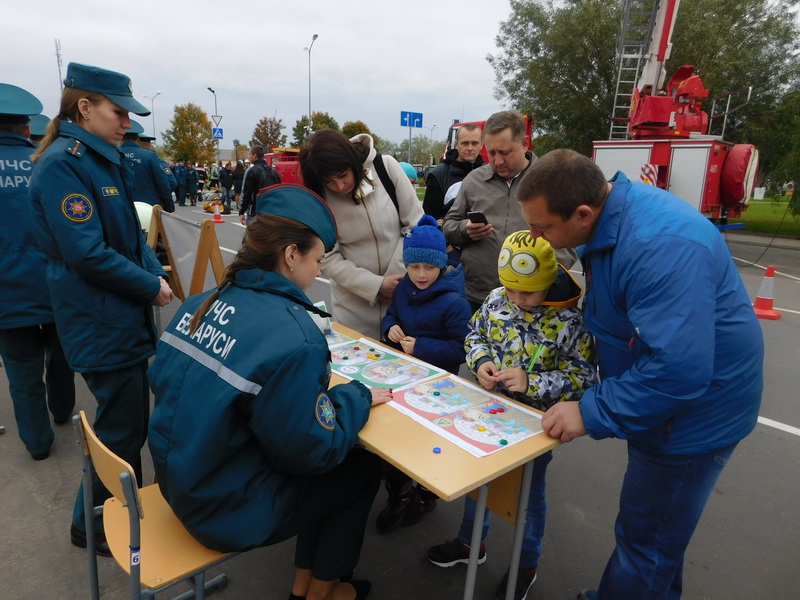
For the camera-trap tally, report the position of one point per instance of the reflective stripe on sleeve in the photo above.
(223, 372)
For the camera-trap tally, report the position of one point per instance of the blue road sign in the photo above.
(216, 133)
(410, 119)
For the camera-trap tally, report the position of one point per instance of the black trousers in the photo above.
(331, 516)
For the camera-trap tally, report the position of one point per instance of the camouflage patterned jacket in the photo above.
(502, 332)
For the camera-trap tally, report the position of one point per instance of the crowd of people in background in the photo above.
(482, 279)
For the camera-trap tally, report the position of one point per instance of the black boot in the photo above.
(401, 496)
(423, 502)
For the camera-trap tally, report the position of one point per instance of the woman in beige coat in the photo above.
(367, 262)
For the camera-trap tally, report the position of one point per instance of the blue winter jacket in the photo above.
(679, 346)
(150, 180)
(101, 274)
(243, 415)
(438, 317)
(26, 301)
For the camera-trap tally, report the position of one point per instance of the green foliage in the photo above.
(190, 135)
(268, 133)
(319, 120)
(557, 63)
(421, 150)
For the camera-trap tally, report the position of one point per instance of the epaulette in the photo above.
(75, 148)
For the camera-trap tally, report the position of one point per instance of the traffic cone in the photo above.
(217, 217)
(763, 303)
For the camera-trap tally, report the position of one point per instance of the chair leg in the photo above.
(88, 514)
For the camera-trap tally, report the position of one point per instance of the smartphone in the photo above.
(477, 216)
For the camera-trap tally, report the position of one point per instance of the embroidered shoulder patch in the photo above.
(110, 191)
(77, 207)
(326, 414)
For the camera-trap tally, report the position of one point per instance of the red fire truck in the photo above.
(661, 135)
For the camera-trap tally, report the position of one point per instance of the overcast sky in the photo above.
(372, 59)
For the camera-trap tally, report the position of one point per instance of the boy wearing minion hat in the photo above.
(427, 318)
(527, 341)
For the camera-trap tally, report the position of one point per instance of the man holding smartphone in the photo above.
(486, 210)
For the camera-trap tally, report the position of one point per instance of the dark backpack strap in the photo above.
(387, 182)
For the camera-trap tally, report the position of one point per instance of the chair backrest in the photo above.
(109, 466)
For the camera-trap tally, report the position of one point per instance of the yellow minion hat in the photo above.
(526, 264)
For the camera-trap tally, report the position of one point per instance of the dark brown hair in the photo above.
(329, 153)
(565, 179)
(265, 239)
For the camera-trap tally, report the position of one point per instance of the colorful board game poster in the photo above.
(377, 366)
(470, 417)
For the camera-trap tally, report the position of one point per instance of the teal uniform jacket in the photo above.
(180, 174)
(243, 415)
(22, 265)
(150, 182)
(173, 183)
(192, 180)
(101, 274)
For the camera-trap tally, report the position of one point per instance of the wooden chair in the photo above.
(145, 537)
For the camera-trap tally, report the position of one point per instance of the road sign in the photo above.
(410, 119)
(216, 133)
(216, 119)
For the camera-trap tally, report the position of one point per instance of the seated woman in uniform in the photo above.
(249, 444)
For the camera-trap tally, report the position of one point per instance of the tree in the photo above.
(557, 65)
(557, 61)
(190, 135)
(269, 133)
(319, 120)
(351, 128)
(421, 150)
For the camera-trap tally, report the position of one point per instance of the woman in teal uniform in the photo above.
(102, 276)
(249, 445)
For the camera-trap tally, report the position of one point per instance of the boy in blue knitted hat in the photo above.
(428, 318)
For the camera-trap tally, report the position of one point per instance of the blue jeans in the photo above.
(660, 504)
(29, 353)
(225, 197)
(534, 523)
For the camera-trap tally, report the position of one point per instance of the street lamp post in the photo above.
(308, 49)
(152, 110)
(432, 128)
(215, 115)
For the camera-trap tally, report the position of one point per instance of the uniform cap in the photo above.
(299, 204)
(145, 137)
(39, 124)
(136, 127)
(526, 264)
(425, 244)
(114, 86)
(17, 105)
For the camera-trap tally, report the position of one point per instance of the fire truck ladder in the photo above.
(635, 33)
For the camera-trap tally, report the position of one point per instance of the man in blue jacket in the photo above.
(28, 339)
(680, 353)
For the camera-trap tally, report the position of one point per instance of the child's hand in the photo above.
(515, 379)
(380, 395)
(487, 375)
(407, 343)
(395, 334)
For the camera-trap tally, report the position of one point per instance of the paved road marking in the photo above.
(781, 426)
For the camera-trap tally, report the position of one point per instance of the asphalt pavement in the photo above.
(746, 546)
